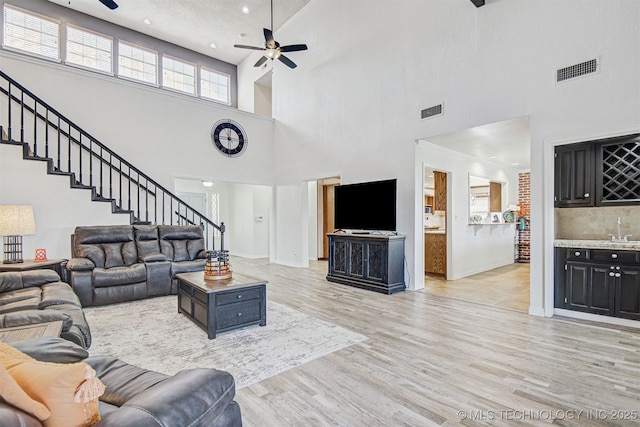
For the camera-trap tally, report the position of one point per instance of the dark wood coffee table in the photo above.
(222, 305)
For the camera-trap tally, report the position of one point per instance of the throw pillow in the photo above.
(70, 391)
(11, 392)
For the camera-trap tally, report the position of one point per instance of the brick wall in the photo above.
(524, 199)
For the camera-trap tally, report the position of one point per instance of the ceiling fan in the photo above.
(110, 4)
(272, 49)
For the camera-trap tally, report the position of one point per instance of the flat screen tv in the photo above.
(366, 206)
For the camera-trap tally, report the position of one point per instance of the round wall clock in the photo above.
(229, 138)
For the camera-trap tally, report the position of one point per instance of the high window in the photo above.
(31, 33)
(214, 85)
(137, 63)
(89, 49)
(178, 75)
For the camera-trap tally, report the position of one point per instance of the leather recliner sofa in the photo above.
(38, 296)
(137, 397)
(119, 263)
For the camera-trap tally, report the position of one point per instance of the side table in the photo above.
(29, 264)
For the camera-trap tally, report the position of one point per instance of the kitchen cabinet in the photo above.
(440, 191)
(574, 175)
(598, 173)
(599, 281)
(435, 252)
(369, 261)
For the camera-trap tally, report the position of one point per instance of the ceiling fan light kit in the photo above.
(272, 49)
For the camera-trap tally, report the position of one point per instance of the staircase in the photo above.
(47, 136)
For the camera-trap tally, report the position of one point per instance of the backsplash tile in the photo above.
(597, 223)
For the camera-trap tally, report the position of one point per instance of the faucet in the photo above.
(619, 239)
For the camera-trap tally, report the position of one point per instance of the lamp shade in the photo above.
(16, 220)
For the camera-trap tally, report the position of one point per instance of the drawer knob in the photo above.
(614, 256)
(239, 296)
(239, 314)
(586, 194)
(577, 253)
(617, 274)
(618, 268)
(611, 273)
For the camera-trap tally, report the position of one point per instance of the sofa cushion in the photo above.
(12, 281)
(35, 316)
(119, 275)
(181, 242)
(106, 246)
(146, 240)
(21, 299)
(57, 293)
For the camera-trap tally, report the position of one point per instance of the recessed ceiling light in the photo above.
(245, 9)
(207, 183)
(515, 164)
(213, 46)
(146, 21)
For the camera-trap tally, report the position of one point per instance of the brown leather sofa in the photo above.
(119, 263)
(38, 296)
(137, 397)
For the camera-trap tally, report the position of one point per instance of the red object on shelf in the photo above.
(41, 255)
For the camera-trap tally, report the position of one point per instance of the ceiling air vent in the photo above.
(431, 111)
(577, 70)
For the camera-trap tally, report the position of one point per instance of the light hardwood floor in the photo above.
(506, 287)
(431, 360)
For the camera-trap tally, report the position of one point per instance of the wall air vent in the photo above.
(577, 70)
(436, 110)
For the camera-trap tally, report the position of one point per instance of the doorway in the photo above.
(488, 260)
(321, 216)
(435, 222)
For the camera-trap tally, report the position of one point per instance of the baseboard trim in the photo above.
(597, 318)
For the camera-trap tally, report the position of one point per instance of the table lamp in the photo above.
(15, 221)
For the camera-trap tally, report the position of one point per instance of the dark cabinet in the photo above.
(598, 281)
(373, 262)
(598, 173)
(574, 175)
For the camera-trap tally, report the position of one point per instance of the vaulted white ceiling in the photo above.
(196, 24)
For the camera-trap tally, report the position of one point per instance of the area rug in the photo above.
(152, 334)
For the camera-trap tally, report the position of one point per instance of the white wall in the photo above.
(162, 133)
(352, 105)
(57, 208)
(471, 249)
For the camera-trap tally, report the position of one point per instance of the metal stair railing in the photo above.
(49, 136)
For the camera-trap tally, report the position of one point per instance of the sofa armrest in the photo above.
(80, 264)
(154, 257)
(52, 349)
(194, 397)
(203, 254)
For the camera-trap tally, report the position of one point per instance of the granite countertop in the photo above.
(632, 245)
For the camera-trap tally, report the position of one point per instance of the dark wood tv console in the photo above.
(369, 261)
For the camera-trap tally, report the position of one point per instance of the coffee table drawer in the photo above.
(232, 297)
(233, 315)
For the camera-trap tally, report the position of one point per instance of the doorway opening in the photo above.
(245, 210)
(321, 216)
(488, 252)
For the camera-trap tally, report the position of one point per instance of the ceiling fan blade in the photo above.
(293, 48)
(109, 3)
(268, 38)
(242, 46)
(286, 61)
(260, 61)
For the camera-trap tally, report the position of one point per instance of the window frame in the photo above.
(207, 98)
(136, 46)
(196, 68)
(86, 30)
(36, 15)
